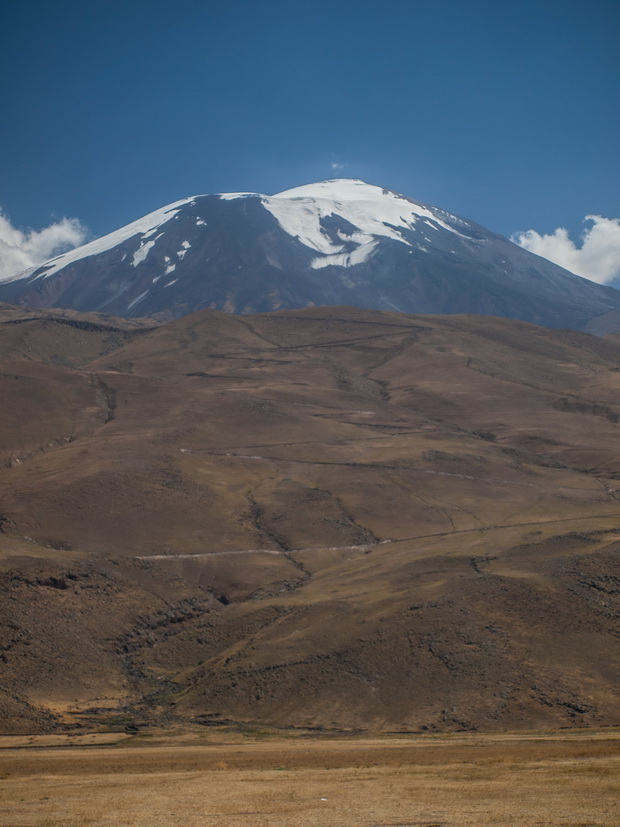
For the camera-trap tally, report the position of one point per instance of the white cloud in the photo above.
(598, 257)
(336, 165)
(20, 249)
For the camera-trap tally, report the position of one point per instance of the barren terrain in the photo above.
(328, 518)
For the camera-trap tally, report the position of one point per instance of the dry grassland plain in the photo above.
(537, 780)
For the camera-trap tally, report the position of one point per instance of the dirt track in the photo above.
(455, 781)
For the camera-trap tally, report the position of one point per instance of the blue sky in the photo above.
(505, 113)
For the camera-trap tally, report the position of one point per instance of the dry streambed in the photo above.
(432, 781)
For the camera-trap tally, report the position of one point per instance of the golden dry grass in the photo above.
(439, 781)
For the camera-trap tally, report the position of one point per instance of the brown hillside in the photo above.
(63, 337)
(329, 517)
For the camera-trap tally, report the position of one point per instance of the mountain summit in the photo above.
(337, 242)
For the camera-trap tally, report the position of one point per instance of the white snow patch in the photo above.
(142, 252)
(230, 196)
(361, 254)
(200, 222)
(143, 226)
(185, 245)
(372, 210)
(170, 268)
(152, 232)
(135, 301)
(170, 283)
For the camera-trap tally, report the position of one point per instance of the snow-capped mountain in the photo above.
(335, 242)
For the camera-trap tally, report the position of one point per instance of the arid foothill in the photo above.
(332, 519)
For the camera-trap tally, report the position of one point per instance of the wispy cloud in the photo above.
(337, 165)
(598, 256)
(20, 249)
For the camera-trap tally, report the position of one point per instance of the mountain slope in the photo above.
(340, 242)
(63, 337)
(326, 517)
